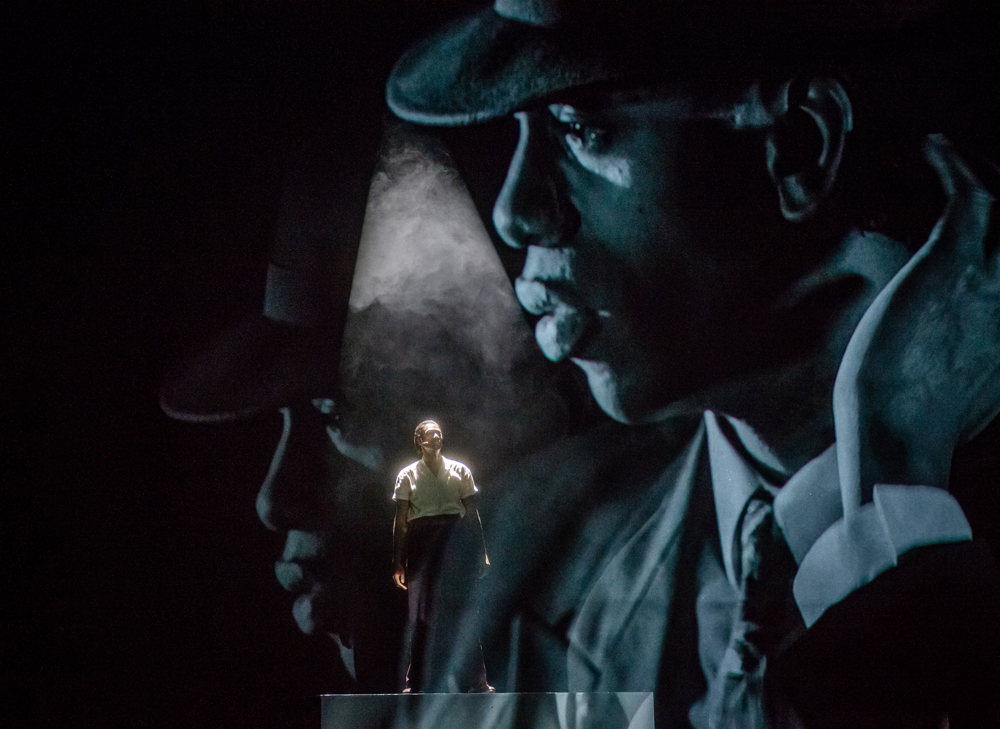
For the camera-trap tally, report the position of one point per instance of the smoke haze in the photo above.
(434, 329)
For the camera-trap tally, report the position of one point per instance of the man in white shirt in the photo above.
(433, 496)
(733, 215)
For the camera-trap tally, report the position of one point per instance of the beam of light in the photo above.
(434, 329)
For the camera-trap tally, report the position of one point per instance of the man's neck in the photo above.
(789, 410)
(790, 406)
(433, 461)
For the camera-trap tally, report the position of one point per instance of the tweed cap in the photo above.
(516, 52)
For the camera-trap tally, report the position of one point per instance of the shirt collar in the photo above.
(734, 481)
(804, 507)
(445, 467)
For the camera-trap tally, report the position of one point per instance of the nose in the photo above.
(533, 208)
(295, 493)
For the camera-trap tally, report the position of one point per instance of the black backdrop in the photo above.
(144, 148)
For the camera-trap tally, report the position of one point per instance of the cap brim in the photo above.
(255, 366)
(486, 66)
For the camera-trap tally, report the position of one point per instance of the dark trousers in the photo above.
(427, 589)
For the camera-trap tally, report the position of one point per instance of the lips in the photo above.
(564, 321)
(299, 571)
(558, 333)
(548, 287)
(317, 605)
(292, 576)
(312, 611)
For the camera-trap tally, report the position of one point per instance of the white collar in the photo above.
(734, 481)
(804, 507)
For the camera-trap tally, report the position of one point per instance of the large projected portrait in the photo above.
(766, 235)
(749, 461)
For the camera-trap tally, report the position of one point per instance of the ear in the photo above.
(806, 142)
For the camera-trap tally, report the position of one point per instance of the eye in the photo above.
(579, 133)
(588, 141)
(327, 407)
(583, 137)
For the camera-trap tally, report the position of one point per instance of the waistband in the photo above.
(436, 520)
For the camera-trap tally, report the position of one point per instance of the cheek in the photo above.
(665, 248)
(634, 225)
(644, 222)
(615, 169)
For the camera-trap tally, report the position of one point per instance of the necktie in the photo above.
(766, 616)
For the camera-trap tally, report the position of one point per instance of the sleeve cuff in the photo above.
(809, 503)
(852, 553)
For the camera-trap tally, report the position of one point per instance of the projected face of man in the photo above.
(658, 255)
(325, 493)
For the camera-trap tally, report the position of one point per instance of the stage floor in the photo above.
(622, 710)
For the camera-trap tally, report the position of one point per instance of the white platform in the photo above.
(623, 710)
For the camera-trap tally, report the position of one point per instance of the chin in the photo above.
(606, 387)
(625, 396)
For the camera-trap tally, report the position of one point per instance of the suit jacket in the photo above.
(602, 543)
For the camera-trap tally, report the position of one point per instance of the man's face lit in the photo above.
(431, 440)
(653, 253)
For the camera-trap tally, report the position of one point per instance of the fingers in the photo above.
(963, 226)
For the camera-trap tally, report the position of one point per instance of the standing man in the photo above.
(747, 212)
(432, 497)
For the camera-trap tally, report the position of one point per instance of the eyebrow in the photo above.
(667, 109)
(669, 103)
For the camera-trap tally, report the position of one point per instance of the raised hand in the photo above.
(921, 373)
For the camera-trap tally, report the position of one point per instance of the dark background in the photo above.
(144, 147)
(143, 151)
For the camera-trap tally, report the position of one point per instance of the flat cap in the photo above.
(504, 57)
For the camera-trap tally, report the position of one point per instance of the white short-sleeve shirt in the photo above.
(431, 495)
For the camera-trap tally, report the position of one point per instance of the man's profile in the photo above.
(346, 380)
(743, 221)
(432, 496)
